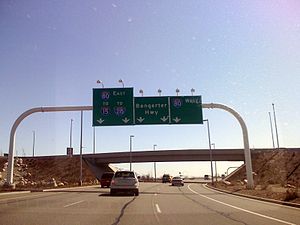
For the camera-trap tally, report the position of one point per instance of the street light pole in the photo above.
(210, 152)
(94, 140)
(231, 167)
(141, 92)
(122, 82)
(272, 130)
(33, 142)
(192, 91)
(94, 131)
(159, 92)
(275, 123)
(154, 165)
(71, 130)
(216, 171)
(81, 122)
(130, 150)
(100, 82)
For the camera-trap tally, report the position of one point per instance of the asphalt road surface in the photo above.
(156, 204)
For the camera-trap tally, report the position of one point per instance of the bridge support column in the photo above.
(98, 168)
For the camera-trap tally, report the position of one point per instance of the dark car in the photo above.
(166, 178)
(106, 179)
(177, 181)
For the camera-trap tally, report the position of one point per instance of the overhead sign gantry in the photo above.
(117, 106)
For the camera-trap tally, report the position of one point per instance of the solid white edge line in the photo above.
(157, 208)
(14, 193)
(241, 209)
(252, 199)
(70, 188)
(74, 203)
(23, 197)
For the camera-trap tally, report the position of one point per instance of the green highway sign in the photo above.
(112, 106)
(117, 106)
(168, 110)
(151, 110)
(186, 110)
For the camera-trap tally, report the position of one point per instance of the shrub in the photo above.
(291, 194)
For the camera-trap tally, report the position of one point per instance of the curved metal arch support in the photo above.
(247, 153)
(10, 168)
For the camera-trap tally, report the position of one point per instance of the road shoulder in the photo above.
(255, 197)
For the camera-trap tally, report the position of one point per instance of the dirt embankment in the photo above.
(40, 172)
(276, 176)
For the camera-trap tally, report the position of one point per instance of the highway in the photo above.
(157, 204)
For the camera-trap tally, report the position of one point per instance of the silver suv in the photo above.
(124, 181)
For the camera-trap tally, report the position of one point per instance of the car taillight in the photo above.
(113, 182)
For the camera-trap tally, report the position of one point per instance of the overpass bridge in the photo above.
(175, 155)
(167, 156)
(99, 163)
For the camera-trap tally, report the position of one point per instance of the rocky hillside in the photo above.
(41, 172)
(276, 175)
(274, 167)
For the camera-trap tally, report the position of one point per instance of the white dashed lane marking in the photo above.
(157, 208)
(74, 203)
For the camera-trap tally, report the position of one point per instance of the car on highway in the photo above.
(166, 178)
(177, 181)
(206, 177)
(106, 179)
(124, 182)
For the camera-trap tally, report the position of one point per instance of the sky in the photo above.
(243, 54)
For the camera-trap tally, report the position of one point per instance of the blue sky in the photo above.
(241, 54)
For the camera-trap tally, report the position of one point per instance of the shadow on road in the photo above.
(117, 195)
(158, 193)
